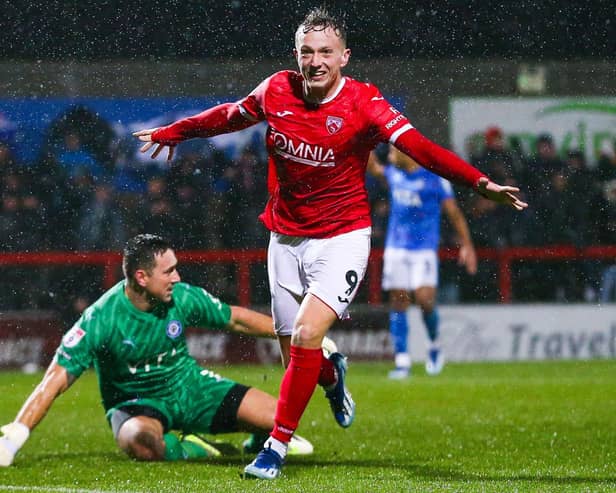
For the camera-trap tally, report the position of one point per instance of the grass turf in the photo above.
(545, 426)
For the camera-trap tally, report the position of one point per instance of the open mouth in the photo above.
(317, 76)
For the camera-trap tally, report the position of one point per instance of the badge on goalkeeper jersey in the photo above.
(73, 336)
(174, 329)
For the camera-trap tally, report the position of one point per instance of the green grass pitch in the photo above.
(545, 426)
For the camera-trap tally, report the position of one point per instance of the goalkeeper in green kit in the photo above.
(134, 336)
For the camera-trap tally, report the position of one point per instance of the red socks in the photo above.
(298, 384)
(328, 376)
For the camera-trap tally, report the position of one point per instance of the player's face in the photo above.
(321, 56)
(160, 280)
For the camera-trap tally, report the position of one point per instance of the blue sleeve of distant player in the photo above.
(446, 190)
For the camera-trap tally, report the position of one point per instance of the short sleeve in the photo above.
(252, 107)
(76, 350)
(200, 308)
(387, 122)
(445, 188)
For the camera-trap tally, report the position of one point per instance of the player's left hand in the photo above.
(500, 193)
(146, 136)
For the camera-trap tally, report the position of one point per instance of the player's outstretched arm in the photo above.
(146, 136)
(15, 434)
(220, 119)
(446, 164)
(250, 322)
(500, 193)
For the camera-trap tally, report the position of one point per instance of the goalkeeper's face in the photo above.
(160, 279)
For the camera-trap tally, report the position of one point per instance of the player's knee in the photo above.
(307, 335)
(139, 442)
(399, 305)
(426, 304)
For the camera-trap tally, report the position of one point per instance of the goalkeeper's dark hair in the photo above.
(319, 19)
(140, 253)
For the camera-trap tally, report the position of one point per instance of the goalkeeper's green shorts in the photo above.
(205, 403)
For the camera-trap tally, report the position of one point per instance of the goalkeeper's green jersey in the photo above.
(139, 354)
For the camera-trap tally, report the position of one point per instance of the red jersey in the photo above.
(319, 152)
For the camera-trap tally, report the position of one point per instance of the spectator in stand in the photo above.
(540, 168)
(607, 236)
(76, 194)
(490, 227)
(100, 225)
(245, 193)
(606, 165)
(495, 160)
(7, 159)
(76, 159)
(22, 226)
(159, 212)
(189, 188)
(584, 192)
(606, 214)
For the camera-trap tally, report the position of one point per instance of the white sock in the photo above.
(277, 446)
(402, 360)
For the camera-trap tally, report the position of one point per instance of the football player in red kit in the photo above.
(321, 129)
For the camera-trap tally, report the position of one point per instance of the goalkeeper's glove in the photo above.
(14, 436)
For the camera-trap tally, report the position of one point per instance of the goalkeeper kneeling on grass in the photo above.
(134, 336)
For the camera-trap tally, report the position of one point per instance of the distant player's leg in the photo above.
(398, 277)
(426, 299)
(399, 301)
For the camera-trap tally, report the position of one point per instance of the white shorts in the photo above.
(409, 269)
(329, 268)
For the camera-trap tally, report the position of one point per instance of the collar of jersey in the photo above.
(336, 92)
(130, 307)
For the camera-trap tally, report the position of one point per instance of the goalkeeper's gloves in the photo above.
(14, 436)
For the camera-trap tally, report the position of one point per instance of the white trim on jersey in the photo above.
(245, 113)
(399, 132)
(336, 92)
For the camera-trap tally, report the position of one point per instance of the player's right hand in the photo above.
(146, 136)
(14, 436)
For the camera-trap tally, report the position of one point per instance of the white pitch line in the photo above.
(54, 489)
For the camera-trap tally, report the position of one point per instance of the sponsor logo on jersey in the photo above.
(174, 329)
(333, 124)
(394, 121)
(301, 152)
(284, 113)
(377, 98)
(64, 354)
(73, 336)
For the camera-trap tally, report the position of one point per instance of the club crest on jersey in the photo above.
(73, 336)
(333, 124)
(174, 329)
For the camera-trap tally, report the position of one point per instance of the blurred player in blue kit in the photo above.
(410, 261)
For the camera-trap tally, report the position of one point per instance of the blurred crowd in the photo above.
(88, 192)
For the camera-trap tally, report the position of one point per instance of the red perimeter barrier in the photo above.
(243, 259)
